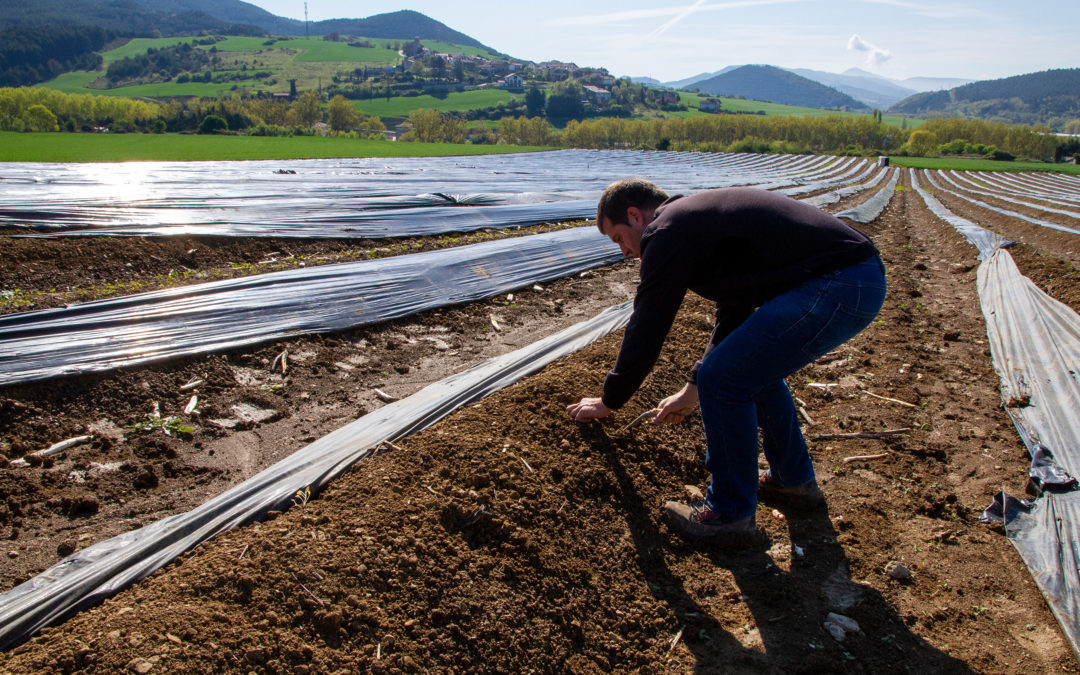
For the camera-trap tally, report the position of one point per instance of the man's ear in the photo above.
(634, 216)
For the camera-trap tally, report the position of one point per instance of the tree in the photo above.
(341, 115)
(39, 118)
(534, 102)
(921, 142)
(431, 126)
(308, 109)
(566, 100)
(212, 124)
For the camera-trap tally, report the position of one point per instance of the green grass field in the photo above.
(964, 164)
(401, 106)
(54, 147)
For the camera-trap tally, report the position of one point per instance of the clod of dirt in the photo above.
(898, 570)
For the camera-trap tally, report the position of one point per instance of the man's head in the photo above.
(626, 209)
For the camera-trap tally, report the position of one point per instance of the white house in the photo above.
(512, 81)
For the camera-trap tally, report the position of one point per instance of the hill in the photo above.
(124, 16)
(769, 83)
(1049, 97)
(225, 17)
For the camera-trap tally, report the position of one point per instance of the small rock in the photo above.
(694, 492)
(898, 571)
(846, 622)
(837, 632)
(13, 554)
(776, 514)
(141, 666)
(66, 547)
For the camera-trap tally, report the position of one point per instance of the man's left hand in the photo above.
(588, 409)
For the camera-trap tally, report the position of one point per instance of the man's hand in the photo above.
(588, 409)
(674, 408)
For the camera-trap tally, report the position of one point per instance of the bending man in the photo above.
(790, 283)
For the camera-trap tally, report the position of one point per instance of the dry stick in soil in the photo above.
(862, 434)
(860, 458)
(891, 400)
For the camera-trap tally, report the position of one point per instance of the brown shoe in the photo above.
(697, 521)
(807, 496)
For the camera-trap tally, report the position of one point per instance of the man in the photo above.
(790, 283)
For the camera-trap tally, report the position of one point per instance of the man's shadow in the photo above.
(789, 607)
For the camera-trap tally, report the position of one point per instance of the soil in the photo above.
(508, 538)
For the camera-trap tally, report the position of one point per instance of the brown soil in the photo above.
(508, 538)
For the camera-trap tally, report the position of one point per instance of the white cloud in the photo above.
(875, 56)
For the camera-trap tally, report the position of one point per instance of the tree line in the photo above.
(36, 109)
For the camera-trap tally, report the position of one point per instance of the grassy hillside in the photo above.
(401, 106)
(312, 62)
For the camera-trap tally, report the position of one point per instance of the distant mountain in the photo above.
(769, 83)
(1049, 97)
(874, 91)
(401, 25)
(647, 81)
(123, 16)
(230, 17)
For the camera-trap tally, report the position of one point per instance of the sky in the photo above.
(676, 39)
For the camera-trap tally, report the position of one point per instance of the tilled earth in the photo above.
(508, 538)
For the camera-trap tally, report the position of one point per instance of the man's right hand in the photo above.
(675, 407)
(588, 409)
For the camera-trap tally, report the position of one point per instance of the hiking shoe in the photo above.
(697, 521)
(806, 496)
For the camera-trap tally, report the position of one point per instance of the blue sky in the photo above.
(973, 39)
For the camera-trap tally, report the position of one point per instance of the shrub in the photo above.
(1000, 155)
(212, 124)
(39, 118)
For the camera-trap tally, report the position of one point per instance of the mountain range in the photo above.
(873, 91)
(185, 17)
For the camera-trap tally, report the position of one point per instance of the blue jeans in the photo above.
(741, 381)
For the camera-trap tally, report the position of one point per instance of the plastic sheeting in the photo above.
(834, 196)
(869, 210)
(363, 197)
(1035, 346)
(1004, 212)
(95, 573)
(985, 240)
(952, 177)
(221, 315)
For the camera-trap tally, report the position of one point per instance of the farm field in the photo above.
(401, 106)
(46, 147)
(967, 164)
(507, 537)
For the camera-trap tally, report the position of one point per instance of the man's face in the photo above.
(624, 237)
(627, 235)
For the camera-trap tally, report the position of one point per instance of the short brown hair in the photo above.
(624, 193)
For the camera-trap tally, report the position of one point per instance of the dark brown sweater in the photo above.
(738, 247)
